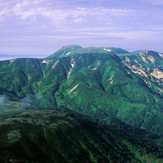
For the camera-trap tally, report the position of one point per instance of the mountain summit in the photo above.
(77, 49)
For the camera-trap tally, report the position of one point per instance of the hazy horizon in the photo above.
(39, 28)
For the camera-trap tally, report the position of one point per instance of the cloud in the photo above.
(18, 8)
(35, 26)
(31, 9)
(57, 10)
(153, 2)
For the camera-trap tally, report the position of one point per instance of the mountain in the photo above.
(82, 105)
(51, 136)
(109, 85)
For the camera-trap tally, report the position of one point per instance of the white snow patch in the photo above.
(160, 90)
(161, 55)
(68, 53)
(46, 61)
(70, 91)
(72, 66)
(12, 60)
(72, 63)
(38, 84)
(55, 64)
(108, 50)
(69, 73)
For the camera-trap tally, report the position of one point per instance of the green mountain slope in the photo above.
(50, 136)
(101, 83)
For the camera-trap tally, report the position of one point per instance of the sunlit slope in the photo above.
(100, 85)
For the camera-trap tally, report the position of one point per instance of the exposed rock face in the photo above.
(146, 64)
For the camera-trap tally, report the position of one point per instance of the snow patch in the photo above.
(72, 63)
(70, 91)
(72, 66)
(38, 84)
(29, 77)
(46, 61)
(12, 60)
(111, 80)
(68, 53)
(161, 55)
(108, 50)
(55, 64)
(160, 90)
(69, 73)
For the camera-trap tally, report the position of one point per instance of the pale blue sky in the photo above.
(40, 27)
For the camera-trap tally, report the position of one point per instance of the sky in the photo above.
(37, 28)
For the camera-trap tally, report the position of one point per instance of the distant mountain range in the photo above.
(107, 85)
(11, 56)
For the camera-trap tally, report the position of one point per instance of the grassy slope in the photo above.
(104, 88)
(50, 136)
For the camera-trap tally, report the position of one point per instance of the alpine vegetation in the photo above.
(82, 105)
